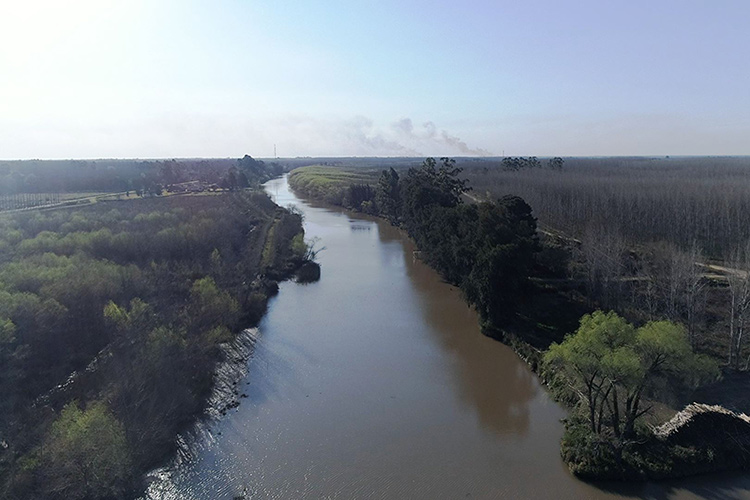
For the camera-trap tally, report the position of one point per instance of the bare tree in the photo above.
(694, 293)
(738, 281)
(646, 199)
(603, 250)
(671, 285)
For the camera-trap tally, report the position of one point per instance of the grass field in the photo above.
(329, 183)
(326, 176)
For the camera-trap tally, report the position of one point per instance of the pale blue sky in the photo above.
(178, 78)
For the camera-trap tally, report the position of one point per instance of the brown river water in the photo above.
(375, 382)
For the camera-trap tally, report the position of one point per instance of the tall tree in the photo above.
(738, 281)
(388, 195)
(428, 186)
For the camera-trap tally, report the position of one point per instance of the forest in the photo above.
(35, 183)
(653, 238)
(111, 317)
(113, 307)
(680, 200)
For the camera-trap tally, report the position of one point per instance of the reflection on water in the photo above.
(375, 382)
(492, 381)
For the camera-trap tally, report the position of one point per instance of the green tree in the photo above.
(242, 180)
(169, 172)
(210, 307)
(555, 163)
(610, 365)
(9, 370)
(256, 171)
(129, 324)
(7, 332)
(388, 195)
(426, 187)
(231, 181)
(503, 254)
(85, 454)
(520, 163)
(299, 247)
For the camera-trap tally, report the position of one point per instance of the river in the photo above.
(375, 382)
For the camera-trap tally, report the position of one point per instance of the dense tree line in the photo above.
(609, 369)
(110, 321)
(639, 234)
(658, 280)
(487, 249)
(26, 200)
(142, 176)
(520, 163)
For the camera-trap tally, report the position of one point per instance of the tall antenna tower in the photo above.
(274, 151)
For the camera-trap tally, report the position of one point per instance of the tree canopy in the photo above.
(125, 305)
(86, 454)
(612, 366)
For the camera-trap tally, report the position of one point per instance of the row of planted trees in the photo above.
(26, 200)
(612, 368)
(26, 184)
(76, 176)
(676, 200)
(644, 233)
(609, 369)
(646, 281)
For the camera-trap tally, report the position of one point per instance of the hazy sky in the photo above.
(223, 78)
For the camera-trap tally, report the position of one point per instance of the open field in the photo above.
(329, 183)
(327, 175)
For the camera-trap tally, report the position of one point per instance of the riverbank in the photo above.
(276, 253)
(529, 335)
(114, 318)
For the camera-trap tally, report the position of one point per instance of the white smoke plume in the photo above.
(361, 136)
(433, 140)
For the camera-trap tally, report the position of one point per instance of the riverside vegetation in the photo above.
(111, 317)
(487, 249)
(611, 374)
